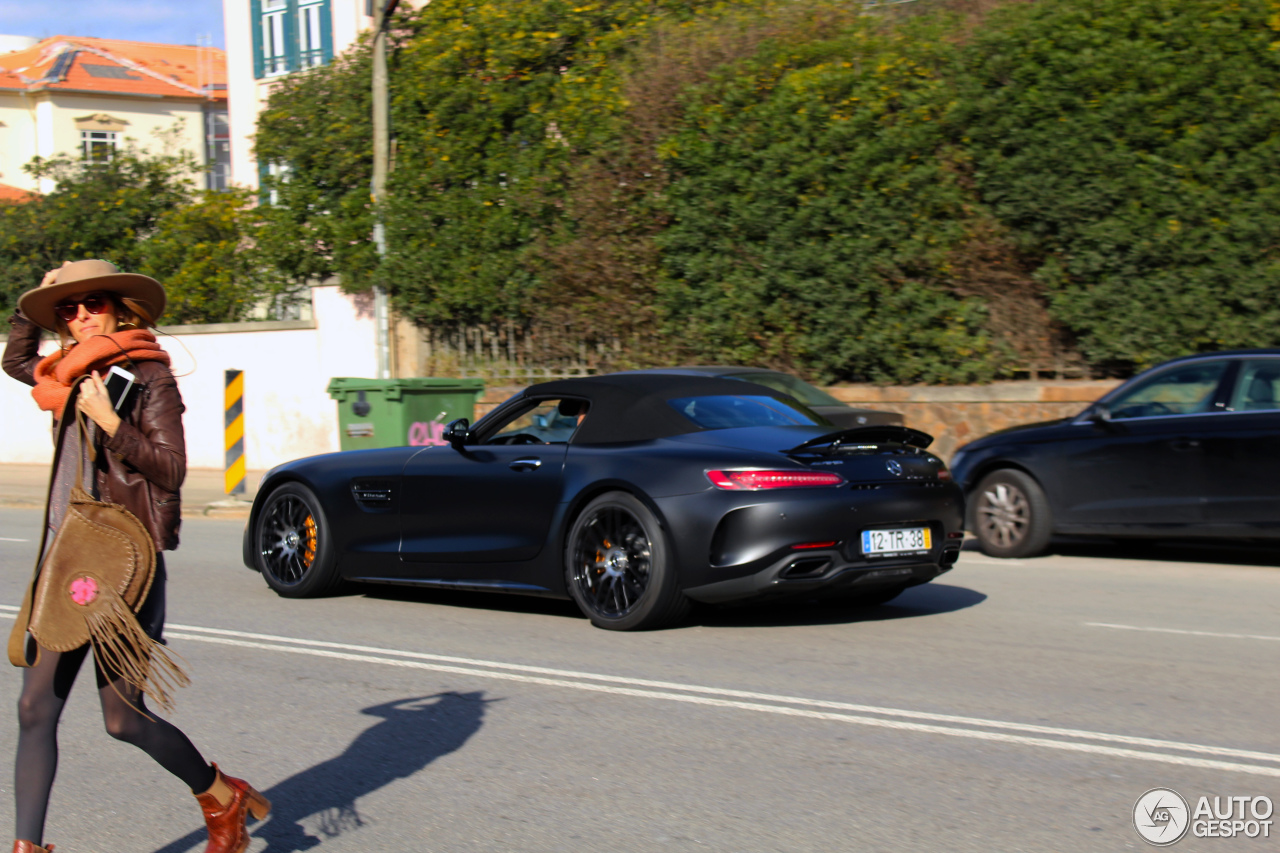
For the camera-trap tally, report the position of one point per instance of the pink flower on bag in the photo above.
(84, 590)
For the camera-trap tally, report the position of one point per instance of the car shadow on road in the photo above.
(411, 734)
(1231, 553)
(1224, 552)
(924, 600)
(499, 601)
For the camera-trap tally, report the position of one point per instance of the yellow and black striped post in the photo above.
(233, 424)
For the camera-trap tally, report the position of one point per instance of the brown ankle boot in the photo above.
(227, 832)
(30, 847)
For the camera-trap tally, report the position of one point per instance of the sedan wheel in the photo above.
(617, 566)
(1011, 515)
(293, 551)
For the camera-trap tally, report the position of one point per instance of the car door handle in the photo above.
(1185, 444)
(529, 463)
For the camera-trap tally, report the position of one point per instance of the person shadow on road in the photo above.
(412, 734)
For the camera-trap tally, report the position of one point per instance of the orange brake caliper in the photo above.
(309, 527)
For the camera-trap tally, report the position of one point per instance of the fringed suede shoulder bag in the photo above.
(92, 581)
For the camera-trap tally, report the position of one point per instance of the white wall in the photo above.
(24, 429)
(242, 92)
(17, 138)
(288, 414)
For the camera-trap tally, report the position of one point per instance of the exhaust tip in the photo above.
(805, 567)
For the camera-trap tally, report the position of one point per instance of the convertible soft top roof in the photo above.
(633, 406)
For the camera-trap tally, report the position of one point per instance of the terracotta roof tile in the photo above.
(112, 65)
(8, 193)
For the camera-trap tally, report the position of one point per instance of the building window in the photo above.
(310, 40)
(217, 139)
(275, 54)
(270, 177)
(291, 35)
(99, 146)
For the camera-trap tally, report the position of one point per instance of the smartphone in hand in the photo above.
(119, 384)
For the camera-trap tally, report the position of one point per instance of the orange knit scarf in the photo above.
(56, 372)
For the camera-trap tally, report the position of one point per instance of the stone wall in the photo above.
(956, 415)
(492, 396)
(953, 415)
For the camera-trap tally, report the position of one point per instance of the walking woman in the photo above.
(136, 458)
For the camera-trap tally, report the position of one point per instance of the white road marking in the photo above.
(1183, 631)
(742, 694)
(778, 704)
(7, 539)
(900, 725)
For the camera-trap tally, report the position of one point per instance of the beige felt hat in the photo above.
(81, 277)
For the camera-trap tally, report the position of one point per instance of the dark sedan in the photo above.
(1190, 448)
(634, 495)
(840, 414)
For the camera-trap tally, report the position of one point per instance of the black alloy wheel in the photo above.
(293, 549)
(1011, 515)
(617, 566)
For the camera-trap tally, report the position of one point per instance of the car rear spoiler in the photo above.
(884, 434)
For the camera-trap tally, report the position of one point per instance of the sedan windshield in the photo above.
(725, 412)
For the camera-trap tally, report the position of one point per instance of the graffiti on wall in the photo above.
(426, 434)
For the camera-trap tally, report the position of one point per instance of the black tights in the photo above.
(45, 688)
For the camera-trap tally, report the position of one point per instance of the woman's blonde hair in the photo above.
(130, 314)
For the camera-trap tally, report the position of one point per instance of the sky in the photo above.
(165, 21)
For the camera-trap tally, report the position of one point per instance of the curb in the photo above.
(223, 509)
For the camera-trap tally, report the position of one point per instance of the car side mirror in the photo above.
(458, 432)
(1100, 414)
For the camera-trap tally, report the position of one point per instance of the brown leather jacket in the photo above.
(146, 460)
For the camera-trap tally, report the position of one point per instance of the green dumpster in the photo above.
(396, 412)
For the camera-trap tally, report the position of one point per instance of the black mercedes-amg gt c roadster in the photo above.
(633, 494)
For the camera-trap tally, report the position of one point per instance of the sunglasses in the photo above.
(94, 303)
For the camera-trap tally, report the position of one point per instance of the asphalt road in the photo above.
(1010, 706)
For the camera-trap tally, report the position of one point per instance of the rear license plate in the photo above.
(896, 543)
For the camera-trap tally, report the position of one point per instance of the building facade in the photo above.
(90, 96)
(270, 39)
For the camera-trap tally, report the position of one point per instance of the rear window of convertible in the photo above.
(729, 412)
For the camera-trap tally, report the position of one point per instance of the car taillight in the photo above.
(757, 480)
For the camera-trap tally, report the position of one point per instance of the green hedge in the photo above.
(898, 196)
(1132, 144)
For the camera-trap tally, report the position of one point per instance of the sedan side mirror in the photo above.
(1100, 414)
(458, 432)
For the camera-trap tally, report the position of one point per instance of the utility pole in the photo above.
(381, 10)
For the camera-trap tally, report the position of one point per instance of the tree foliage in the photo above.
(317, 127)
(98, 210)
(141, 212)
(206, 255)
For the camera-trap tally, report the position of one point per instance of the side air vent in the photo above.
(373, 495)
